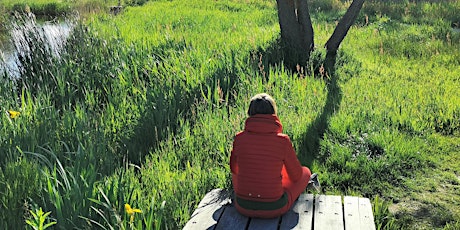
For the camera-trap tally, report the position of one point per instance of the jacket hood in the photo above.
(263, 123)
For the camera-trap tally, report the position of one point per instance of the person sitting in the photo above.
(267, 176)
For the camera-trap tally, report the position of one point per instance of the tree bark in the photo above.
(344, 25)
(296, 31)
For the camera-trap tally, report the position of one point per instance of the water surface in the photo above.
(13, 42)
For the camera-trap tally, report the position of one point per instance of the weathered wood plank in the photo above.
(351, 213)
(231, 219)
(301, 214)
(208, 212)
(366, 215)
(328, 213)
(358, 214)
(309, 212)
(263, 224)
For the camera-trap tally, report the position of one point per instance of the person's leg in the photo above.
(294, 189)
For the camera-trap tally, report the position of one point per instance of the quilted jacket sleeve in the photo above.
(233, 161)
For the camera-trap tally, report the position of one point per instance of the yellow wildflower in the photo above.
(13, 114)
(130, 211)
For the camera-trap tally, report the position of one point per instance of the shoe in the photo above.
(314, 183)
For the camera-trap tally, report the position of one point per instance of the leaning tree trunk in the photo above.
(344, 25)
(296, 31)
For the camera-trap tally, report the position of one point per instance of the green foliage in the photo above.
(38, 220)
(135, 2)
(20, 184)
(452, 226)
(382, 216)
(66, 184)
(42, 8)
(414, 12)
(55, 8)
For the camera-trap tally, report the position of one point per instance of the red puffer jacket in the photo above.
(259, 155)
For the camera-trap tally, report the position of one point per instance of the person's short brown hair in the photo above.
(262, 103)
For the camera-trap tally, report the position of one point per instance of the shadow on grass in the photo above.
(175, 101)
(153, 127)
(310, 143)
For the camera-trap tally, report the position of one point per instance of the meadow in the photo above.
(141, 109)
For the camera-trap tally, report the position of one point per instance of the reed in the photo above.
(57, 8)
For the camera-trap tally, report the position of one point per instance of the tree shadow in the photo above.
(174, 102)
(154, 126)
(310, 142)
(263, 59)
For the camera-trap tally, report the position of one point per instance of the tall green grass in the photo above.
(58, 8)
(38, 7)
(141, 109)
(106, 95)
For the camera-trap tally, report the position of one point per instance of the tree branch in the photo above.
(344, 25)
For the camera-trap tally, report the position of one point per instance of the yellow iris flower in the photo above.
(13, 114)
(130, 211)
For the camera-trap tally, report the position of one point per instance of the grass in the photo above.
(56, 8)
(142, 111)
(40, 7)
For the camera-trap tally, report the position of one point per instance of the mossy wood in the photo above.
(216, 211)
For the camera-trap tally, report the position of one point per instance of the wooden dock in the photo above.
(320, 212)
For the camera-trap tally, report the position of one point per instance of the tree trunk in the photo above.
(344, 25)
(296, 31)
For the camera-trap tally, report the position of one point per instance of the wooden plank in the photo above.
(309, 212)
(263, 224)
(231, 219)
(328, 213)
(301, 214)
(209, 211)
(351, 213)
(358, 213)
(365, 214)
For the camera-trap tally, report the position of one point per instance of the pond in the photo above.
(13, 42)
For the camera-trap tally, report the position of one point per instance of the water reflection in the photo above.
(16, 42)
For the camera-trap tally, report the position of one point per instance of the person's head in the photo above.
(262, 103)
